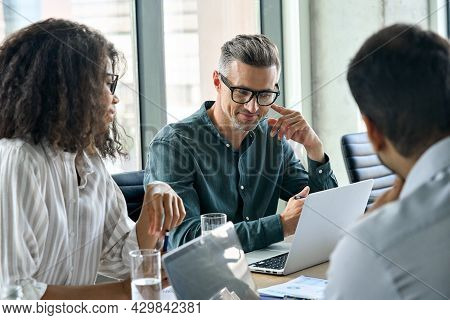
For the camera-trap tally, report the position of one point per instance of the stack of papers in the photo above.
(300, 288)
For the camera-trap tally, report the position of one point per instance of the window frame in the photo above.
(151, 67)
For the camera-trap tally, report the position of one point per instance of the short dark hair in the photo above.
(255, 50)
(400, 79)
(52, 81)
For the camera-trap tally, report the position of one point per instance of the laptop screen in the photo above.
(203, 267)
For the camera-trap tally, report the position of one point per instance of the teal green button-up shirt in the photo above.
(204, 170)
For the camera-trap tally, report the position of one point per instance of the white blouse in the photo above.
(53, 230)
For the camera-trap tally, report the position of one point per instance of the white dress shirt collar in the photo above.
(434, 160)
(82, 161)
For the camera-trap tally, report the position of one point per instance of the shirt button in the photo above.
(320, 171)
(242, 187)
(228, 145)
(72, 234)
(247, 218)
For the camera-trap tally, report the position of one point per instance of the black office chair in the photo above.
(362, 163)
(131, 184)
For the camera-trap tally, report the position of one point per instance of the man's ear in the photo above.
(216, 80)
(377, 139)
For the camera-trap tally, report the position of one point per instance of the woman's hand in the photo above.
(162, 210)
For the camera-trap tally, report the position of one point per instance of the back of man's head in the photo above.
(255, 50)
(400, 79)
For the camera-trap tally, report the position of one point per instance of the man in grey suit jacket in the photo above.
(400, 79)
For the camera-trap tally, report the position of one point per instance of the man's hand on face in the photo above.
(389, 196)
(291, 214)
(293, 126)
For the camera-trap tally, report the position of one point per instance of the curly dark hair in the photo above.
(52, 81)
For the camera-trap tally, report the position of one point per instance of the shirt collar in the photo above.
(49, 150)
(206, 119)
(82, 161)
(434, 160)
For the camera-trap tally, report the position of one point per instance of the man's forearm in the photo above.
(316, 153)
(259, 233)
(253, 235)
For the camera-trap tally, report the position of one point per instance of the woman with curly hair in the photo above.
(63, 218)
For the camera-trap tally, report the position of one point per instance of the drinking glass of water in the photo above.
(210, 221)
(145, 274)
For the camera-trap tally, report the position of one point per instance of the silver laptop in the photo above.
(325, 217)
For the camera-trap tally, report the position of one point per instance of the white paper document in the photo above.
(300, 288)
(168, 294)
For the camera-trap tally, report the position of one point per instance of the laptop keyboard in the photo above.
(275, 263)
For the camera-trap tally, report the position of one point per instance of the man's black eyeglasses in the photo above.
(244, 95)
(112, 81)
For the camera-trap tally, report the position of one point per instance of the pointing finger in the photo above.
(280, 110)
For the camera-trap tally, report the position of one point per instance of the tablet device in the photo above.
(203, 267)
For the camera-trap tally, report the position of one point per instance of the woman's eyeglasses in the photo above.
(112, 81)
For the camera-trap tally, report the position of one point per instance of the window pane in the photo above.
(114, 18)
(194, 31)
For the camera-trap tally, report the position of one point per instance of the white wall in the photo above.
(337, 29)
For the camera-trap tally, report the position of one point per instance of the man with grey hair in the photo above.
(229, 157)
